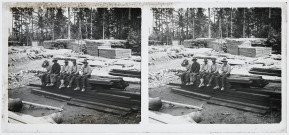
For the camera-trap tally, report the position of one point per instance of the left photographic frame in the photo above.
(72, 64)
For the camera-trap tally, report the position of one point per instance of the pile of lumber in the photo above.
(93, 46)
(114, 53)
(237, 80)
(111, 82)
(125, 73)
(255, 51)
(66, 43)
(254, 100)
(266, 71)
(113, 101)
(199, 42)
(49, 44)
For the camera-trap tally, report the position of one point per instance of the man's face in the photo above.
(66, 63)
(74, 63)
(194, 61)
(214, 61)
(206, 62)
(225, 62)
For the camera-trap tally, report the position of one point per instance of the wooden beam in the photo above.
(43, 106)
(41, 92)
(191, 93)
(183, 105)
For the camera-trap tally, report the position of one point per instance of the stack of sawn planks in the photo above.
(114, 101)
(254, 100)
(125, 73)
(266, 71)
(237, 80)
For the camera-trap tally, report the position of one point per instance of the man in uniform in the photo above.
(195, 68)
(64, 73)
(205, 70)
(84, 74)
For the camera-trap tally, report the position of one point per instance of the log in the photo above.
(125, 75)
(43, 106)
(273, 94)
(241, 103)
(102, 104)
(239, 107)
(183, 105)
(98, 108)
(136, 96)
(126, 71)
(204, 96)
(264, 73)
(45, 93)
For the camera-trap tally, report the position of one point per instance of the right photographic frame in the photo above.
(215, 65)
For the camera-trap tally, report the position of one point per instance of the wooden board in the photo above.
(98, 108)
(191, 93)
(241, 103)
(239, 107)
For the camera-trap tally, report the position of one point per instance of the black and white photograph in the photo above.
(215, 65)
(72, 64)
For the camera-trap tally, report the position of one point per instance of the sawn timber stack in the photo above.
(125, 73)
(256, 100)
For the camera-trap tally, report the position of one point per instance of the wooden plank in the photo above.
(125, 75)
(273, 94)
(109, 97)
(239, 99)
(241, 103)
(126, 71)
(50, 94)
(264, 73)
(239, 107)
(98, 108)
(191, 93)
(116, 103)
(169, 119)
(101, 104)
(136, 96)
(245, 95)
(182, 105)
(189, 96)
(41, 105)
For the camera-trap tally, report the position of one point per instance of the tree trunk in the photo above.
(220, 23)
(269, 32)
(193, 23)
(244, 24)
(68, 36)
(231, 23)
(209, 28)
(53, 24)
(187, 28)
(91, 11)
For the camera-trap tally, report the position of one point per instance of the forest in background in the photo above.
(191, 23)
(30, 24)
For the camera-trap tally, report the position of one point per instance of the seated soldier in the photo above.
(64, 73)
(204, 72)
(225, 70)
(185, 76)
(84, 74)
(194, 71)
(73, 73)
(45, 76)
(214, 73)
(55, 70)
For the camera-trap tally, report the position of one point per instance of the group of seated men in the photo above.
(208, 73)
(67, 74)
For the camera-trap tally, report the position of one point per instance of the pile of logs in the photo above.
(266, 71)
(125, 73)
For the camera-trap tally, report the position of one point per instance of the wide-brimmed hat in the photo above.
(194, 58)
(54, 60)
(66, 61)
(213, 59)
(185, 63)
(84, 61)
(224, 60)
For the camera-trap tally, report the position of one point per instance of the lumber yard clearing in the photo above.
(252, 92)
(112, 94)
